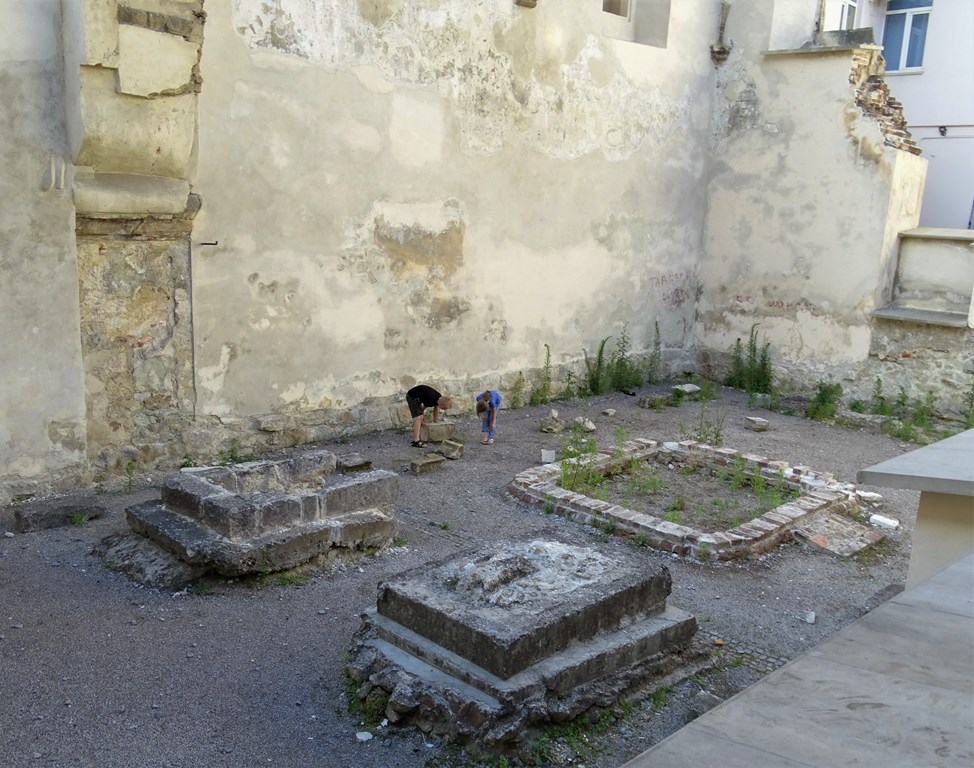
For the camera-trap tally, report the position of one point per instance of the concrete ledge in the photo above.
(922, 316)
(946, 466)
(129, 194)
(891, 689)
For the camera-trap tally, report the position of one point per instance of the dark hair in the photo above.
(481, 406)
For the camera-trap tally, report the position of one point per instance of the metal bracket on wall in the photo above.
(719, 51)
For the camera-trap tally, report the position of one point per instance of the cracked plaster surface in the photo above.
(565, 104)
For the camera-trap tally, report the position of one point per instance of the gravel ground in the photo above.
(98, 671)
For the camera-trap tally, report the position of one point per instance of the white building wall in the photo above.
(938, 102)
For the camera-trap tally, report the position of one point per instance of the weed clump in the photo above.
(542, 394)
(823, 406)
(516, 398)
(596, 370)
(624, 374)
(751, 372)
(654, 367)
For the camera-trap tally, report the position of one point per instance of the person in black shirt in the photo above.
(419, 398)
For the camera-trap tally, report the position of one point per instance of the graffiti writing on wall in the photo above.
(782, 306)
(794, 307)
(673, 288)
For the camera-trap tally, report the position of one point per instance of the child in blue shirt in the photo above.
(487, 404)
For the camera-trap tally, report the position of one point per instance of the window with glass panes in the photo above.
(905, 33)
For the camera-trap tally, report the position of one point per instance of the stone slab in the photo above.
(354, 462)
(55, 513)
(756, 423)
(863, 697)
(946, 466)
(200, 546)
(427, 463)
(437, 432)
(145, 562)
(511, 606)
(451, 449)
(560, 673)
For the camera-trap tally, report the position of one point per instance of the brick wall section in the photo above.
(189, 26)
(867, 76)
(820, 493)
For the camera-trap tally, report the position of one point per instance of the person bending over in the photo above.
(487, 404)
(419, 398)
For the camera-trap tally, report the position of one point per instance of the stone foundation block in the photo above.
(437, 432)
(427, 463)
(451, 449)
(186, 492)
(57, 513)
(229, 515)
(353, 462)
(377, 489)
(277, 511)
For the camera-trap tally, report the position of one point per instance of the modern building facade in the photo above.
(929, 50)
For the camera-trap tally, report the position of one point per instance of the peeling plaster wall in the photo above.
(42, 417)
(433, 191)
(805, 202)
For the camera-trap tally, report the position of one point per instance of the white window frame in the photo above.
(909, 13)
(847, 14)
(619, 26)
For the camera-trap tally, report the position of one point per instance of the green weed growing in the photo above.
(655, 363)
(542, 394)
(751, 372)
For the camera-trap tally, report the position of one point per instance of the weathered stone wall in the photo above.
(426, 191)
(812, 178)
(42, 417)
(919, 359)
(136, 339)
(433, 191)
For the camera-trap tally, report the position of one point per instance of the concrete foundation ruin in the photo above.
(265, 516)
(478, 648)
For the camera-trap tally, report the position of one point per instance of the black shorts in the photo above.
(416, 407)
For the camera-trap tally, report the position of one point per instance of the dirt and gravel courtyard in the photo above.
(100, 672)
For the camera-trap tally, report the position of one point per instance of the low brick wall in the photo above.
(820, 493)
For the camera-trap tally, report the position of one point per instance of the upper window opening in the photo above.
(617, 7)
(847, 17)
(905, 33)
(639, 21)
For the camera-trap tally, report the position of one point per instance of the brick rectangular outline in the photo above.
(820, 493)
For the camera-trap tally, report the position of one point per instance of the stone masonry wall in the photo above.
(137, 349)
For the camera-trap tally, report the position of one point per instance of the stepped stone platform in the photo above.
(480, 647)
(265, 516)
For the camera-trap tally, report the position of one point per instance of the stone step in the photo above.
(507, 610)
(583, 662)
(276, 550)
(835, 533)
